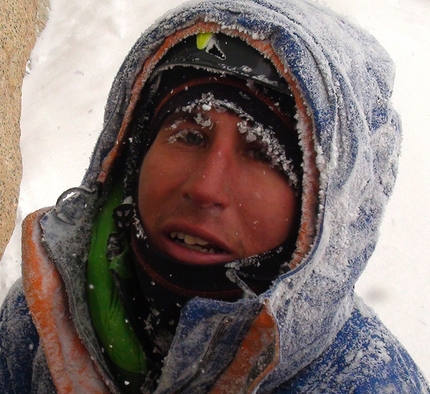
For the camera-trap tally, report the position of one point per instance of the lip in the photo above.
(182, 253)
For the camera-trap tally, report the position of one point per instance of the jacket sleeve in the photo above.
(19, 343)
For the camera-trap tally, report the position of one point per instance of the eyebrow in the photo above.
(181, 115)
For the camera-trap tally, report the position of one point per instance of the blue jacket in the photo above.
(308, 333)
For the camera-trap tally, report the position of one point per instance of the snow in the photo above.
(69, 76)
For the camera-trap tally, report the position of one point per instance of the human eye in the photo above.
(188, 137)
(258, 152)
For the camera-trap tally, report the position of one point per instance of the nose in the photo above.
(210, 181)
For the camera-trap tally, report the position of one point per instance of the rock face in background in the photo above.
(20, 23)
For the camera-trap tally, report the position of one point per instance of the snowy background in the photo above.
(69, 76)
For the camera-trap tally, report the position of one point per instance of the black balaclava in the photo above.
(165, 284)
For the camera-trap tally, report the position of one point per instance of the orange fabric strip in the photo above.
(69, 362)
(258, 355)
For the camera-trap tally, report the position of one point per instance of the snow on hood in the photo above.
(344, 80)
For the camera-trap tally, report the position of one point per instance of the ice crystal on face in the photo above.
(180, 134)
(221, 110)
(176, 124)
(203, 121)
(206, 107)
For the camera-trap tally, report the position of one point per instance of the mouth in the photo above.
(195, 243)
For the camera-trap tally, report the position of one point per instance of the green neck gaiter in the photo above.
(118, 340)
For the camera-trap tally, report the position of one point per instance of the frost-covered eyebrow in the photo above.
(177, 118)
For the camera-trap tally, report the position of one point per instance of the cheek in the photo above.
(151, 189)
(159, 183)
(271, 208)
(275, 210)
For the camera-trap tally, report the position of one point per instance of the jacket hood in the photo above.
(341, 80)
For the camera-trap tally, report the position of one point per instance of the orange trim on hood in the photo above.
(70, 364)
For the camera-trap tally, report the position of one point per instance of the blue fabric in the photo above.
(18, 343)
(364, 358)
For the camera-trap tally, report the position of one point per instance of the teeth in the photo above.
(194, 243)
(174, 235)
(198, 248)
(189, 239)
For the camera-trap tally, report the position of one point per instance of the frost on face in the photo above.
(179, 135)
(203, 121)
(177, 123)
(252, 130)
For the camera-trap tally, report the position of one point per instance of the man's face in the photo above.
(207, 195)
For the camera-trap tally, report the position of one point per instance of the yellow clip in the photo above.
(203, 40)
